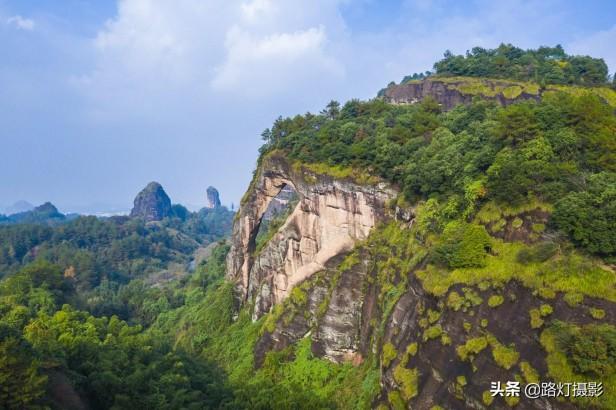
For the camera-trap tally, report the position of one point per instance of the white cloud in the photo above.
(21, 23)
(259, 64)
(599, 44)
(155, 53)
(255, 10)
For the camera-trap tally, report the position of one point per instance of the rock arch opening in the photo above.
(279, 209)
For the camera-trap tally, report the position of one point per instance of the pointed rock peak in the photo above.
(152, 203)
(46, 208)
(213, 198)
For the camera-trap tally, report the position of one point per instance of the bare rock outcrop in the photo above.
(152, 203)
(450, 92)
(330, 217)
(213, 198)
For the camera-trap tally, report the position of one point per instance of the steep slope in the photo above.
(452, 91)
(451, 267)
(330, 217)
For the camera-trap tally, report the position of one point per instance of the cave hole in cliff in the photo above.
(277, 212)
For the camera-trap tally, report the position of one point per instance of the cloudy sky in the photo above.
(99, 97)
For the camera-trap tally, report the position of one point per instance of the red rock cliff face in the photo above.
(330, 217)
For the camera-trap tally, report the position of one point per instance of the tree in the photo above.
(463, 245)
(332, 109)
(21, 383)
(588, 216)
(266, 135)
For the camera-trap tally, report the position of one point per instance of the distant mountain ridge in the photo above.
(19, 206)
(46, 213)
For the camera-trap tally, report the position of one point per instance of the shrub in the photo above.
(455, 301)
(535, 319)
(545, 310)
(529, 373)
(588, 216)
(504, 356)
(433, 315)
(471, 347)
(407, 380)
(396, 401)
(597, 313)
(487, 398)
(591, 349)
(573, 299)
(495, 300)
(540, 252)
(389, 354)
(432, 332)
(463, 245)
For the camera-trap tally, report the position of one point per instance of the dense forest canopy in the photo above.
(74, 302)
(545, 65)
(560, 150)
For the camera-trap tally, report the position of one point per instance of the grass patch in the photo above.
(495, 300)
(471, 348)
(563, 273)
(582, 353)
(535, 319)
(358, 176)
(505, 356)
(432, 332)
(407, 379)
(389, 353)
(529, 373)
(596, 313)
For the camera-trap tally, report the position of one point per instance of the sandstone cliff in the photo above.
(330, 217)
(449, 92)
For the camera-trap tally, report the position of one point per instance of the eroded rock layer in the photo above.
(330, 217)
(451, 92)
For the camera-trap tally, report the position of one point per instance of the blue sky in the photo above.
(97, 98)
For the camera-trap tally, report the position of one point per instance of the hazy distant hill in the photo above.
(17, 207)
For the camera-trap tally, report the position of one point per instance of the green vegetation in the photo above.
(535, 318)
(463, 245)
(432, 332)
(529, 373)
(505, 357)
(546, 65)
(407, 380)
(597, 313)
(576, 353)
(471, 348)
(545, 310)
(495, 300)
(476, 164)
(389, 354)
(589, 215)
(573, 299)
(487, 397)
(109, 362)
(540, 252)
(570, 272)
